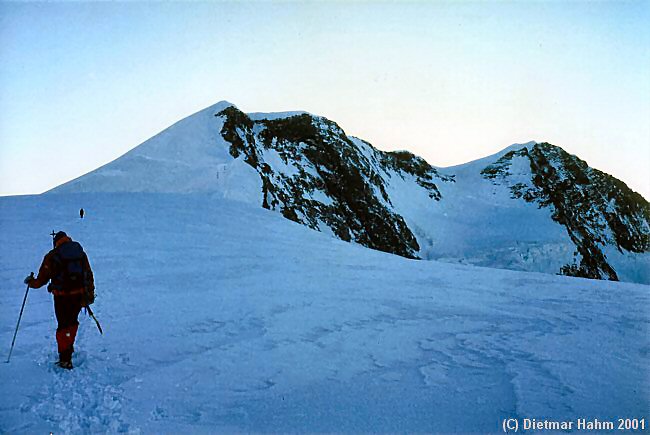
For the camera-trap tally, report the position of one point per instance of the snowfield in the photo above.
(221, 316)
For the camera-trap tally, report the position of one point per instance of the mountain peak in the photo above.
(484, 161)
(218, 107)
(517, 147)
(255, 116)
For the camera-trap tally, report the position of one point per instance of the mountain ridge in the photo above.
(307, 168)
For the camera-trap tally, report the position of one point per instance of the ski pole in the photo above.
(91, 314)
(18, 324)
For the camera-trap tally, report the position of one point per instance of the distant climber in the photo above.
(81, 213)
(73, 287)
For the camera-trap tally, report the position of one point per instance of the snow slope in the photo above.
(479, 223)
(224, 317)
(306, 167)
(189, 156)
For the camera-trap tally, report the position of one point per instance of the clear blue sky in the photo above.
(82, 83)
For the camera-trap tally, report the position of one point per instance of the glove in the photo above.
(29, 279)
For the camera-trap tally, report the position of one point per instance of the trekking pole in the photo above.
(18, 324)
(91, 314)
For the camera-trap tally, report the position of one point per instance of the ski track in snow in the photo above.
(220, 317)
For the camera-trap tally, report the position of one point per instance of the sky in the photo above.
(82, 83)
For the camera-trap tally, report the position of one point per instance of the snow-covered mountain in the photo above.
(529, 207)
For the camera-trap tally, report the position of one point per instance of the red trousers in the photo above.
(67, 310)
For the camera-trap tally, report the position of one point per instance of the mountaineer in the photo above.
(72, 285)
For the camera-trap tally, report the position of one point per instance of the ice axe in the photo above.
(91, 314)
(20, 317)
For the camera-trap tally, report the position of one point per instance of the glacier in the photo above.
(221, 316)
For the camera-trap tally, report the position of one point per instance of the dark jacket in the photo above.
(48, 271)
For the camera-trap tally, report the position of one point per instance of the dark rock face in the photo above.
(403, 162)
(595, 208)
(314, 174)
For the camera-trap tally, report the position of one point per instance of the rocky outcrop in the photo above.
(596, 209)
(314, 174)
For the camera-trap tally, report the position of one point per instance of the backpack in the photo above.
(70, 271)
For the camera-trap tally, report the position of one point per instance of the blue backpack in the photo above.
(70, 271)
